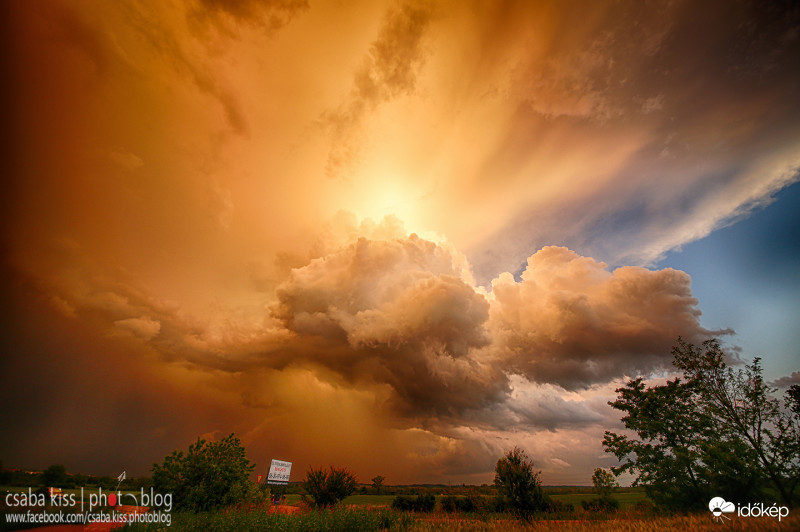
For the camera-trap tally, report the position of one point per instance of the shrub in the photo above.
(326, 488)
(420, 503)
(448, 503)
(644, 507)
(451, 503)
(601, 504)
(560, 507)
(470, 504)
(209, 476)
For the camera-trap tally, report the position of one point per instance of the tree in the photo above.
(55, 476)
(326, 488)
(377, 484)
(604, 483)
(714, 431)
(210, 475)
(518, 485)
(793, 398)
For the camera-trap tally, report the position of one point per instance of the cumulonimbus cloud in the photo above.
(401, 315)
(400, 312)
(571, 322)
(397, 312)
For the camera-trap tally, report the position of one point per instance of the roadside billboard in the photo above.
(279, 472)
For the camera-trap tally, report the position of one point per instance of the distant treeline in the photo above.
(56, 476)
(457, 489)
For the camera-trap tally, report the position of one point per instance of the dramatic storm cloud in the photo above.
(397, 312)
(437, 229)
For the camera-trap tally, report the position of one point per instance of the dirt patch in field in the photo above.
(284, 509)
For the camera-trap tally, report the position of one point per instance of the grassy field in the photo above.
(625, 499)
(352, 500)
(695, 523)
(373, 513)
(369, 500)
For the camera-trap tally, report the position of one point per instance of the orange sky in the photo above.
(325, 227)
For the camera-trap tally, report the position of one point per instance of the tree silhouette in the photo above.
(518, 484)
(715, 431)
(377, 483)
(55, 476)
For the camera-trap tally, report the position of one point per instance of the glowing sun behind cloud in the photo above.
(377, 191)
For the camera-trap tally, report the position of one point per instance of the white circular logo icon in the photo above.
(720, 506)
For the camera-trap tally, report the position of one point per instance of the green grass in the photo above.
(625, 499)
(293, 499)
(692, 523)
(369, 500)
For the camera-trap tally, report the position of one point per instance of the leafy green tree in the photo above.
(714, 431)
(55, 476)
(518, 484)
(210, 475)
(326, 488)
(377, 484)
(604, 483)
(106, 482)
(793, 398)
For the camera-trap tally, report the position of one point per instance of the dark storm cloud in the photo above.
(398, 313)
(90, 402)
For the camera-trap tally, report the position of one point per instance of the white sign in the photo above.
(279, 472)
